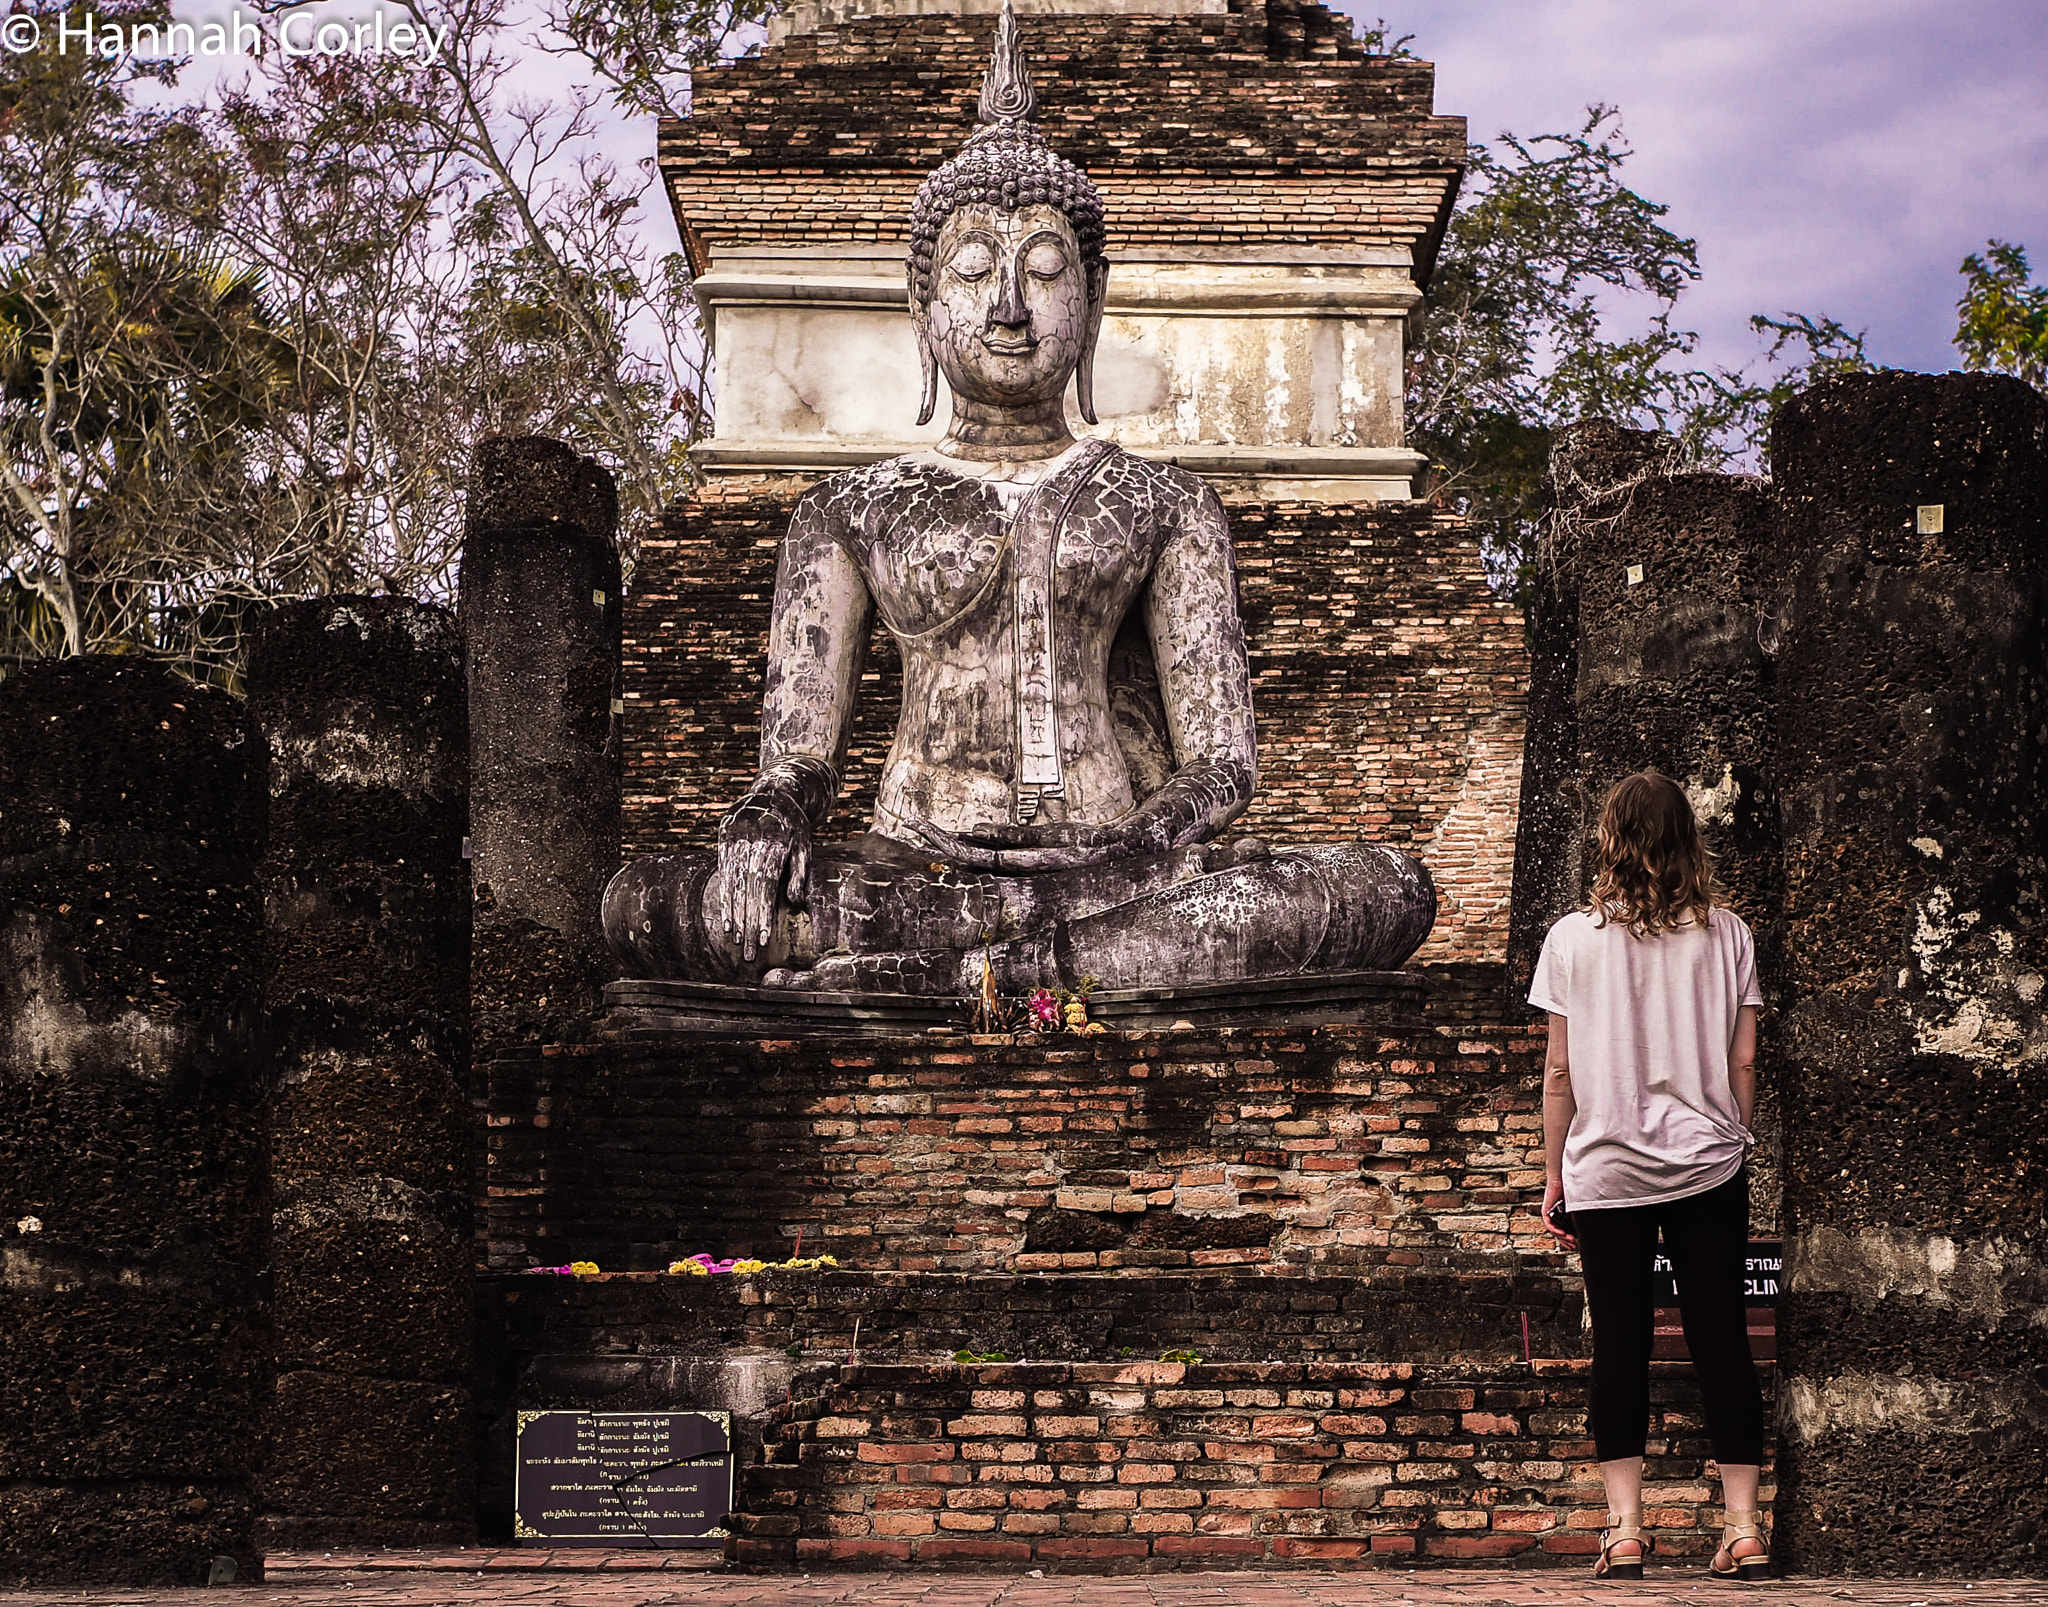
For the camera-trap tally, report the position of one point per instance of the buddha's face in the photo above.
(1012, 305)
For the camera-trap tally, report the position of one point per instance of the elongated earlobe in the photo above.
(1084, 374)
(928, 360)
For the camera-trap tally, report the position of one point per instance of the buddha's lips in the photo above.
(1010, 348)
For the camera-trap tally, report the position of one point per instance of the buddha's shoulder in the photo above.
(906, 471)
(892, 486)
(1166, 483)
(901, 482)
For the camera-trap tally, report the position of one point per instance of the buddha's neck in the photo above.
(981, 433)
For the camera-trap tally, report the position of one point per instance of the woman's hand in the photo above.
(1553, 1191)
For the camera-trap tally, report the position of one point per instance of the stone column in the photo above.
(1550, 818)
(362, 702)
(540, 621)
(133, 1190)
(1592, 466)
(1653, 626)
(1913, 697)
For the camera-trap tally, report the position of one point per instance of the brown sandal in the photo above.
(1742, 1526)
(1622, 1529)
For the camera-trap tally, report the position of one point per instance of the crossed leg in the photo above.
(882, 918)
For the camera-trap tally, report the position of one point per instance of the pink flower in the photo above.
(1045, 1009)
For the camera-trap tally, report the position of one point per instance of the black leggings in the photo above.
(1707, 1238)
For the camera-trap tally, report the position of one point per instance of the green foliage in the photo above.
(1187, 1357)
(1514, 343)
(1379, 39)
(2002, 318)
(129, 383)
(971, 1356)
(247, 339)
(1546, 242)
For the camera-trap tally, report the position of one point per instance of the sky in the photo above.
(1831, 157)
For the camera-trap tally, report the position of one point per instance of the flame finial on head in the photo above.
(1006, 92)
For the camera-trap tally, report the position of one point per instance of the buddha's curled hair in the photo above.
(1006, 164)
(1652, 869)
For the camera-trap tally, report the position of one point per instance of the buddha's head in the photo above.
(1006, 267)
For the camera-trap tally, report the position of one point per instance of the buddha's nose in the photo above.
(1009, 311)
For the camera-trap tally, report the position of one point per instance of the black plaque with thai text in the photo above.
(623, 1478)
(1759, 1278)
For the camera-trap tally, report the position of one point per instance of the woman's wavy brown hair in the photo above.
(1653, 870)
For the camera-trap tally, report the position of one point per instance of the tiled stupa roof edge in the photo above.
(901, 92)
(1266, 125)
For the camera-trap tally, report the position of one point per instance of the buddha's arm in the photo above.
(1204, 682)
(817, 644)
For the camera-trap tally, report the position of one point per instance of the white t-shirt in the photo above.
(1649, 1024)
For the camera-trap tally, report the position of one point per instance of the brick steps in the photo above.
(1145, 1466)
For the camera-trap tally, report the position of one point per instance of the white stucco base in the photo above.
(1282, 372)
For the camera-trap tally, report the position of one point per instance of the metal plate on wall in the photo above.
(623, 1478)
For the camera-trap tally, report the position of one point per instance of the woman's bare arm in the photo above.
(1742, 1063)
(1558, 1110)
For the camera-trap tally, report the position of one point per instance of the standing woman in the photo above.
(1647, 1092)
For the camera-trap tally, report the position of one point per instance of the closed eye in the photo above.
(1045, 261)
(972, 261)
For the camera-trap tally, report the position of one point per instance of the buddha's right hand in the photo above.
(764, 852)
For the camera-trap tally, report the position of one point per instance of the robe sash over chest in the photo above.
(1037, 539)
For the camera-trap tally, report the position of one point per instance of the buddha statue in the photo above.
(1076, 732)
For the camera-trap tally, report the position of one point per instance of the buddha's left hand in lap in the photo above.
(1196, 805)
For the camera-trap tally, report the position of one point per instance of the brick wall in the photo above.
(643, 1341)
(1411, 1143)
(1268, 125)
(1158, 1465)
(1388, 682)
(1465, 1311)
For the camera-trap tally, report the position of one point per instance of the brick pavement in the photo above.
(592, 1578)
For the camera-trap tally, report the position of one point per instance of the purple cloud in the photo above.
(1834, 157)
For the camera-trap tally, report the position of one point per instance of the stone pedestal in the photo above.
(1913, 752)
(362, 701)
(1343, 1193)
(133, 1190)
